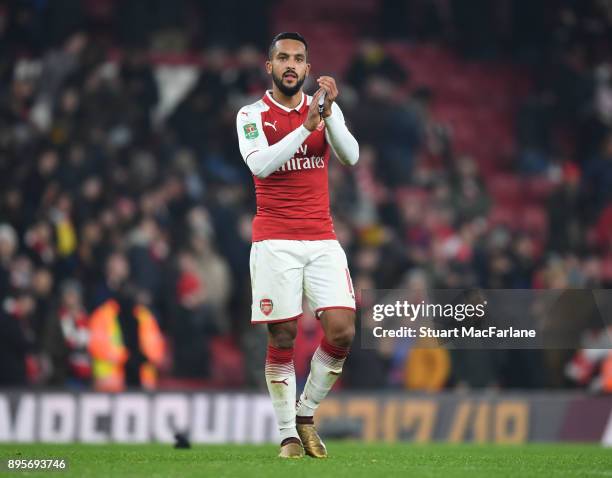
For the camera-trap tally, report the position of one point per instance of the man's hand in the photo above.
(313, 119)
(328, 84)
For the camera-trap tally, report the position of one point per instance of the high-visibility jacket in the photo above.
(427, 368)
(109, 353)
(606, 373)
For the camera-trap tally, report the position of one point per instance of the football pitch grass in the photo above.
(347, 459)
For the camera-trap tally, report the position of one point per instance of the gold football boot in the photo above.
(313, 445)
(291, 448)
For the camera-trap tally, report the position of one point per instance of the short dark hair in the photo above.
(286, 36)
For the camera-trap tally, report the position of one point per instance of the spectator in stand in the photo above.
(469, 194)
(534, 126)
(248, 79)
(371, 60)
(117, 274)
(406, 132)
(191, 119)
(603, 234)
(194, 323)
(42, 291)
(372, 194)
(564, 212)
(17, 340)
(212, 269)
(8, 248)
(147, 253)
(126, 344)
(140, 90)
(597, 180)
(400, 128)
(65, 340)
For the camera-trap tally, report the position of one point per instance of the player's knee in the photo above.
(283, 341)
(341, 335)
(282, 336)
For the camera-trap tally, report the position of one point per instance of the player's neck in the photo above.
(286, 101)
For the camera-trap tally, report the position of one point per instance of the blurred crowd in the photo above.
(125, 207)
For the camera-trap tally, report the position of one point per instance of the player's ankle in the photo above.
(304, 420)
(288, 440)
(304, 409)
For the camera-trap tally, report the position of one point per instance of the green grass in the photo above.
(347, 459)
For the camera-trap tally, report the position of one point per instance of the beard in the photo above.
(288, 90)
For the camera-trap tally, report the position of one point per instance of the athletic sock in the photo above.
(325, 368)
(280, 378)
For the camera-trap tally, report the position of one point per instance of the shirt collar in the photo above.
(268, 96)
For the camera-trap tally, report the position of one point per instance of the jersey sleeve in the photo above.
(261, 158)
(337, 112)
(251, 137)
(342, 142)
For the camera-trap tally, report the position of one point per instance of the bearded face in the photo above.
(288, 66)
(288, 82)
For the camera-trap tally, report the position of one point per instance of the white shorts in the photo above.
(283, 270)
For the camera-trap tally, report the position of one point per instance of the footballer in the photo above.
(285, 139)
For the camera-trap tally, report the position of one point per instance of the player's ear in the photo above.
(269, 67)
(307, 69)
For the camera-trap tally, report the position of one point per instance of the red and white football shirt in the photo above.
(292, 202)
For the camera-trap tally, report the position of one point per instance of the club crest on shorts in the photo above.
(266, 306)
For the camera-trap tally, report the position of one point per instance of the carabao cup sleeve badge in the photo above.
(266, 306)
(250, 131)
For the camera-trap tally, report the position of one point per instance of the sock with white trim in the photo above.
(280, 378)
(325, 368)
